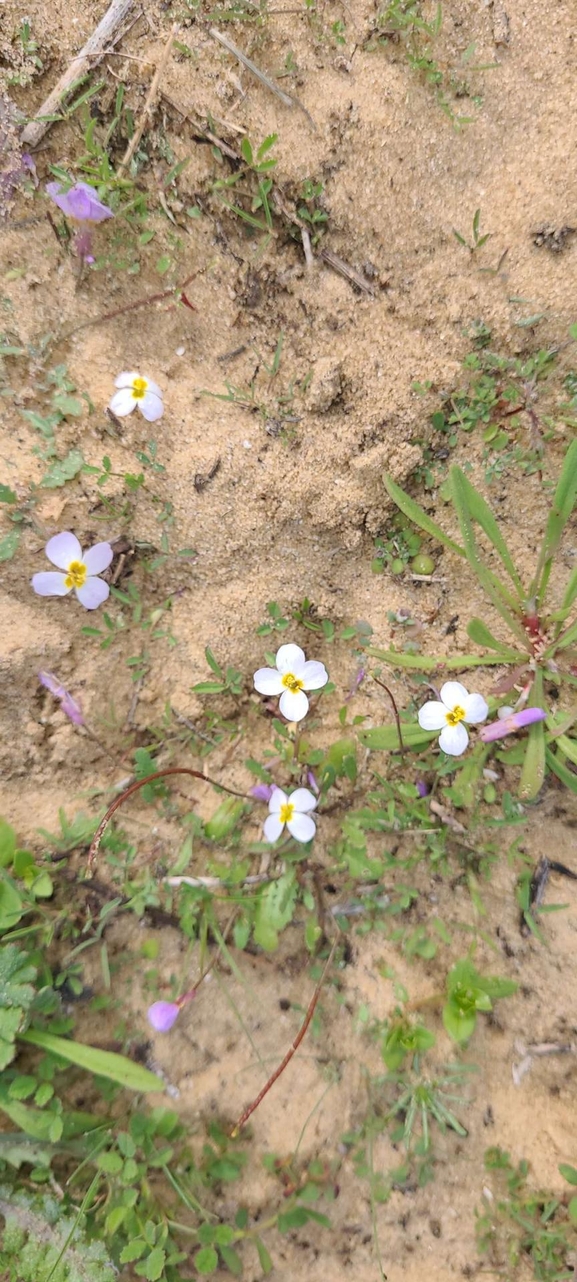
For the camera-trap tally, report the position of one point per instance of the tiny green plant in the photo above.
(477, 240)
(523, 1227)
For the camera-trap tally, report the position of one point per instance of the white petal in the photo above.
(278, 799)
(453, 693)
(268, 681)
(126, 379)
(63, 549)
(432, 715)
(505, 711)
(122, 402)
(50, 583)
(152, 387)
(314, 675)
(454, 739)
(93, 593)
(303, 800)
(290, 658)
(302, 827)
(151, 407)
(98, 558)
(476, 709)
(294, 705)
(272, 828)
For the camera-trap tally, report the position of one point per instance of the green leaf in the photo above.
(7, 844)
(561, 770)
(212, 662)
(117, 1068)
(459, 1027)
(533, 772)
(563, 504)
(481, 513)
(63, 470)
(494, 588)
(9, 545)
(208, 687)
(133, 1250)
(153, 1267)
(569, 1173)
(568, 747)
(67, 406)
(246, 151)
(16, 996)
(426, 663)
(418, 515)
(572, 1210)
(38, 1123)
(386, 738)
(206, 1260)
(294, 1219)
(275, 909)
(232, 1260)
(480, 634)
(7, 495)
(264, 1257)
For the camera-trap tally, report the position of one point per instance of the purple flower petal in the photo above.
(93, 593)
(162, 1015)
(509, 725)
(262, 791)
(49, 583)
(80, 202)
(69, 705)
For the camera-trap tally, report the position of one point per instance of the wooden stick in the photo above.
(251, 66)
(150, 101)
(92, 52)
(134, 787)
(295, 1045)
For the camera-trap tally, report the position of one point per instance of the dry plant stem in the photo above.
(248, 1112)
(339, 265)
(150, 101)
(251, 66)
(93, 50)
(134, 787)
(395, 711)
(131, 307)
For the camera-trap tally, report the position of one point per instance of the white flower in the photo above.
(292, 811)
(136, 390)
(456, 706)
(80, 570)
(291, 677)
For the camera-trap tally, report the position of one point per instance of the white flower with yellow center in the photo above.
(293, 812)
(455, 707)
(78, 570)
(291, 677)
(135, 390)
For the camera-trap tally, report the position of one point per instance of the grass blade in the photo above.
(563, 504)
(418, 515)
(386, 738)
(561, 770)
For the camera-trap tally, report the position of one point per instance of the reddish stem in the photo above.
(243, 1119)
(134, 787)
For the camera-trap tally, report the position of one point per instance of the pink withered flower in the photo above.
(69, 705)
(162, 1015)
(511, 724)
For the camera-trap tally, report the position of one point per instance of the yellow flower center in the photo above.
(292, 683)
(286, 812)
(455, 715)
(76, 575)
(139, 387)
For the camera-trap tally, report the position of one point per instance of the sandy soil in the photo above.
(295, 505)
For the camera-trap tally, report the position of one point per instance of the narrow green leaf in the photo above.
(7, 495)
(386, 738)
(481, 513)
(208, 687)
(212, 662)
(494, 588)
(561, 770)
(418, 515)
(563, 504)
(426, 663)
(480, 633)
(232, 1259)
(571, 590)
(117, 1068)
(569, 1173)
(533, 772)
(264, 1257)
(568, 747)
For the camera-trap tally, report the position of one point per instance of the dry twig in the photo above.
(94, 49)
(150, 101)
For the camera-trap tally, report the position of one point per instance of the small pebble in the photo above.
(180, 351)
